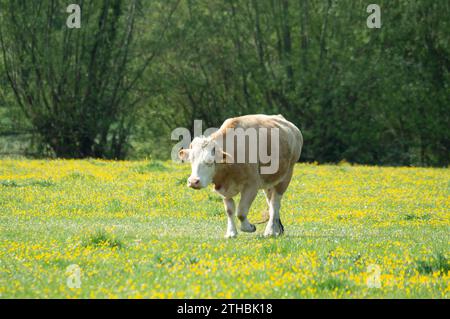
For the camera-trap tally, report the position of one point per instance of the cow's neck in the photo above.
(219, 175)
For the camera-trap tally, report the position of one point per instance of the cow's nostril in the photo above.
(194, 181)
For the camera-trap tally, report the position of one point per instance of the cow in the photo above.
(231, 177)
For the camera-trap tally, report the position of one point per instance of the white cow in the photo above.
(231, 176)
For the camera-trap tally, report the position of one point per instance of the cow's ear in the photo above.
(183, 155)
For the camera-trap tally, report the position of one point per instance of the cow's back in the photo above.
(290, 145)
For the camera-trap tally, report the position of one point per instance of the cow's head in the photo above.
(202, 155)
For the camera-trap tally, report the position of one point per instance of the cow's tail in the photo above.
(265, 218)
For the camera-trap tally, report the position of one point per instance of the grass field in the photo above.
(136, 231)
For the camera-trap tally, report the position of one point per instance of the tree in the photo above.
(76, 86)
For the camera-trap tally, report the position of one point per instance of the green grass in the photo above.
(101, 238)
(437, 263)
(136, 231)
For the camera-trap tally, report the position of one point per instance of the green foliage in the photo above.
(377, 96)
(76, 86)
(436, 263)
(153, 166)
(26, 183)
(360, 94)
(101, 238)
(114, 206)
(333, 283)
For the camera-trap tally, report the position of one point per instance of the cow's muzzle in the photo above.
(194, 182)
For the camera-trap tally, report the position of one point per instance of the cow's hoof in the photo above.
(231, 235)
(271, 233)
(274, 230)
(248, 228)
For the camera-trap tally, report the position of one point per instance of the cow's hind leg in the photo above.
(247, 197)
(230, 208)
(274, 226)
(273, 196)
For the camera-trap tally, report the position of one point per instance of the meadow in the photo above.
(136, 231)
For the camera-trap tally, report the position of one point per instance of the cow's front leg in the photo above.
(274, 226)
(247, 197)
(230, 209)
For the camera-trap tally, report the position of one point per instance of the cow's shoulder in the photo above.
(230, 178)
